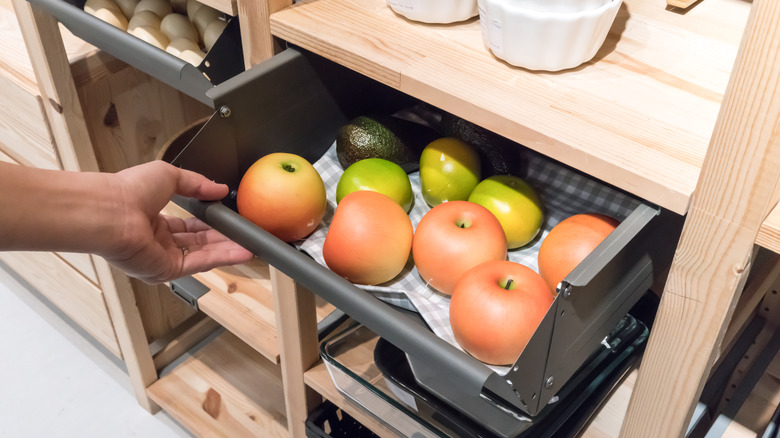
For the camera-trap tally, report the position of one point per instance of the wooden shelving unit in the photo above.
(640, 116)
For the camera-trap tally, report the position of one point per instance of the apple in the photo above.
(378, 175)
(496, 308)
(516, 205)
(452, 238)
(449, 171)
(283, 194)
(369, 238)
(569, 242)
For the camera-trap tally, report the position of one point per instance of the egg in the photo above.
(159, 7)
(212, 33)
(204, 17)
(127, 7)
(178, 26)
(152, 36)
(144, 19)
(193, 6)
(113, 17)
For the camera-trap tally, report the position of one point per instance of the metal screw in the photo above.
(567, 292)
(224, 111)
(549, 382)
(233, 194)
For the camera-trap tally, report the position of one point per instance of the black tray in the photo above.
(577, 401)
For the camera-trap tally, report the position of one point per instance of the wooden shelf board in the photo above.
(606, 424)
(639, 115)
(769, 233)
(224, 389)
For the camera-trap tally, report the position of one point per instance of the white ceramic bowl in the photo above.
(435, 11)
(541, 40)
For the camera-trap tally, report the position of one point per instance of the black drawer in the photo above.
(295, 102)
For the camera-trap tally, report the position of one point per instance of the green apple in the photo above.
(378, 175)
(449, 171)
(516, 205)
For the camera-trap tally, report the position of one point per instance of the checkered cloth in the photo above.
(563, 191)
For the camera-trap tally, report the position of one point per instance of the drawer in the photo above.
(24, 132)
(67, 289)
(295, 102)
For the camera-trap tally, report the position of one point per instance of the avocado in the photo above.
(500, 156)
(380, 136)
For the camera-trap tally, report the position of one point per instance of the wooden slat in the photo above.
(256, 39)
(736, 190)
(51, 65)
(241, 300)
(225, 389)
(297, 327)
(638, 116)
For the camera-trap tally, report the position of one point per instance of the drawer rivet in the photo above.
(549, 382)
(224, 111)
(567, 292)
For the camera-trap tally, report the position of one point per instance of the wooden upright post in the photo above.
(737, 187)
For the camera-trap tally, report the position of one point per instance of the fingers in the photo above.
(214, 255)
(197, 186)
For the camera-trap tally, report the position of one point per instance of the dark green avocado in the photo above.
(378, 136)
(500, 156)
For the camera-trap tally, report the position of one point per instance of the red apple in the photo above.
(452, 238)
(369, 238)
(283, 194)
(496, 308)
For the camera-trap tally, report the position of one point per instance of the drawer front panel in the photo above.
(67, 289)
(24, 134)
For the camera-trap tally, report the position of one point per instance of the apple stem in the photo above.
(508, 284)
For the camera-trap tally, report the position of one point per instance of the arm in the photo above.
(115, 216)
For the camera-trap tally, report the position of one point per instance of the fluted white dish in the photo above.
(544, 40)
(435, 11)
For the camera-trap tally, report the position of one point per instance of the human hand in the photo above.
(154, 247)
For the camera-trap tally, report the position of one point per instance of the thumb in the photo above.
(199, 187)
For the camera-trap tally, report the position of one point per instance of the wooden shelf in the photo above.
(224, 389)
(605, 425)
(638, 116)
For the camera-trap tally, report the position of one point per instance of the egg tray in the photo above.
(225, 59)
(295, 102)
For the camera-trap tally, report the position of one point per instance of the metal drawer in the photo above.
(295, 102)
